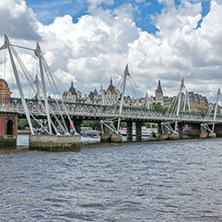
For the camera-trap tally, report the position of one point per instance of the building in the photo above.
(112, 95)
(159, 94)
(72, 95)
(5, 93)
(8, 119)
(198, 102)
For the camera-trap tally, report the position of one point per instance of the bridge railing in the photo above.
(100, 110)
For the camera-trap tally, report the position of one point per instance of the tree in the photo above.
(93, 124)
(158, 106)
(22, 123)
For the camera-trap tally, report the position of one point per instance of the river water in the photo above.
(147, 181)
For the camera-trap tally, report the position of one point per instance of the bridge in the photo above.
(56, 112)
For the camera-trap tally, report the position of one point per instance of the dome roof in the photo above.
(4, 85)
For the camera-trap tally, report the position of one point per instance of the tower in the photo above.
(159, 94)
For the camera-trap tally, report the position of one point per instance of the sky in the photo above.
(90, 41)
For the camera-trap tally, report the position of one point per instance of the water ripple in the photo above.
(165, 181)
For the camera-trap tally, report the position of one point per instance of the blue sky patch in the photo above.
(145, 11)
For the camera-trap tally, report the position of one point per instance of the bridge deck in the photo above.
(98, 112)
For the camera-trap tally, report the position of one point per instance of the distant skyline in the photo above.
(90, 41)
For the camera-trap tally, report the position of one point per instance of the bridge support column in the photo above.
(129, 131)
(138, 131)
(164, 135)
(180, 130)
(159, 130)
(218, 130)
(109, 136)
(54, 122)
(77, 124)
(106, 129)
(67, 124)
(106, 135)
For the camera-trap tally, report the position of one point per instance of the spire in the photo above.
(72, 89)
(95, 92)
(111, 88)
(159, 88)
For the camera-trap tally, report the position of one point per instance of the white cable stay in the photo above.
(43, 68)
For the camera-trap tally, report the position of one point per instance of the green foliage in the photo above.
(157, 106)
(22, 123)
(34, 123)
(148, 125)
(93, 124)
(122, 124)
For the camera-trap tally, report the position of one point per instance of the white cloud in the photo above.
(99, 46)
(125, 11)
(92, 50)
(180, 50)
(94, 4)
(17, 20)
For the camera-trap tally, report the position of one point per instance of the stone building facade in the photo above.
(8, 119)
(5, 93)
(72, 95)
(198, 102)
(159, 94)
(112, 95)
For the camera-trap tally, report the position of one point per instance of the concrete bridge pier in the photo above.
(55, 142)
(164, 135)
(138, 131)
(109, 136)
(174, 135)
(204, 133)
(116, 138)
(159, 131)
(129, 131)
(106, 136)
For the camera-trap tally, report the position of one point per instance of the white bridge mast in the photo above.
(215, 111)
(38, 54)
(7, 45)
(126, 73)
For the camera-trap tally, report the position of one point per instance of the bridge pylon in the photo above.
(114, 124)
(56, 113)
(7, 45)
(179, 106)
(208, 129)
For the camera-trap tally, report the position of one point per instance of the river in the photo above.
(147, 181)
